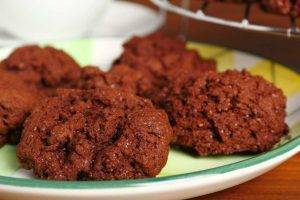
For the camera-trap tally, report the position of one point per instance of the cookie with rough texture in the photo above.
(120, 76)
(155, 44)
(28, 74)
(100, 134)
(158, 53)
(44, 67)
(16, 102)
(225, 113)
(160, 59)
(132, 80)
(91, 77)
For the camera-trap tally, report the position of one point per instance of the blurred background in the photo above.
(35, 20)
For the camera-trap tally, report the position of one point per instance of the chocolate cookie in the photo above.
(100, 134)
(43, 67)
(28, 74)
(155, 44)
(16, 102)
(91, 77)
(120, 76)
(158, 53)
(132, 80)
(160, 59)
(225, 113)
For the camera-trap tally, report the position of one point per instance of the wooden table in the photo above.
(281, 183)
(284, 181)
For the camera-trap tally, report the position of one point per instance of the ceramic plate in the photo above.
(185, 175)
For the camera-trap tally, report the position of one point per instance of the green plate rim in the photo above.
(46, 184)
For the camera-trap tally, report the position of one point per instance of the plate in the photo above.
(184, 176)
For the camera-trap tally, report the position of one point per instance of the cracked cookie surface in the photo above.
(224, 113)
(121, 76)
(16, 102)
(28, 74)
(100, 134)
(43, 67)
(160, 59)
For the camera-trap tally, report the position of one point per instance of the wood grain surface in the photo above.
(284, 181)
(281, 183)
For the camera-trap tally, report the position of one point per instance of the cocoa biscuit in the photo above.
(27, 75)
(225, 113)
(160, 61)
(155, 44)
(158, 53)
(132, 80)
(100, 134)
(91, 77)
(16, 102)
(121, 76)
(44, 67)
